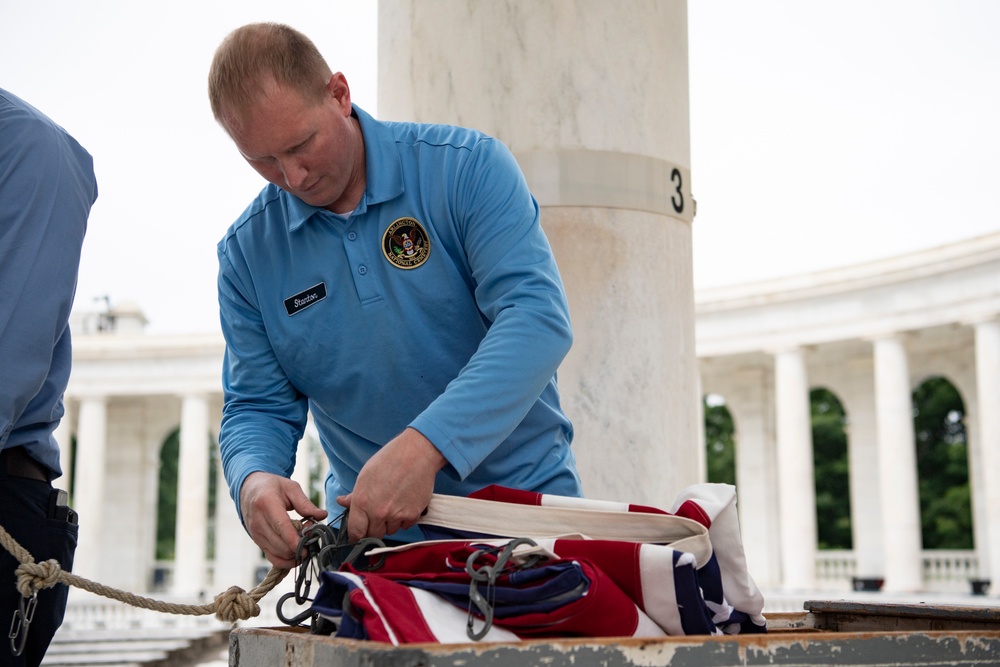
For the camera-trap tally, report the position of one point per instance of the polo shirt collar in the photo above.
(383, 171)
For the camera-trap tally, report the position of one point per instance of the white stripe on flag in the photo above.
(371, 600)
(448, 622)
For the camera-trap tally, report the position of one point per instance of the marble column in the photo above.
(64, 437)
(303, 457)
(236, 555)
(796, 477)
(751, 405)
(702, 442)
(321, 474)
(862, 443)
(88, 497)
(897, 467)
(192, 498)
(592, 98)
(988, 389)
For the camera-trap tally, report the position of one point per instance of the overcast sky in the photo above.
(823, 133)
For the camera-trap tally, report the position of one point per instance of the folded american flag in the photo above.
(505, 565)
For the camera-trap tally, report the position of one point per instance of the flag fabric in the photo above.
(504, 565)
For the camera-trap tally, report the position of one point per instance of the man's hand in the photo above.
(393, 487)
(265, 500)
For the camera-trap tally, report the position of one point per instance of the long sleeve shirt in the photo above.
(47, 188)
(437, 304)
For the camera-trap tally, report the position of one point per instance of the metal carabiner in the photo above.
(489, 574)
(361, 548)
(298, 619)
(21, 623)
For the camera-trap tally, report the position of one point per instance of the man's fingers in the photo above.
(300, 503)
(265, 500)
(358, 526)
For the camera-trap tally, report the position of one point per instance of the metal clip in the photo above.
(489, 574)
(299, 618)
(21, 623)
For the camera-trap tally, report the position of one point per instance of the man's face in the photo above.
(306, 147)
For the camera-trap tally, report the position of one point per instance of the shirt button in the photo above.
(362, 269)
(352, 236)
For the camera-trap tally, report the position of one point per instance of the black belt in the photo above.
(18, 463)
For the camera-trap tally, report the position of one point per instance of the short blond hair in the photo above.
(249, 55)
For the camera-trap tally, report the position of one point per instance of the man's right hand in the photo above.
(265, 500)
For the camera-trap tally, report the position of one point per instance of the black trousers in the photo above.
(24, 513)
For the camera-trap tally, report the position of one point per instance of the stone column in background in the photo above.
(752, 410)
(897, 467)
(236, 556)
(88, 496)
(301, 474)
(592, 98)
(192, 498)
(64, 437)
(796, 479)
(988, 388)
(862, 444)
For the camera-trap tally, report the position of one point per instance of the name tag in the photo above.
(304, 299)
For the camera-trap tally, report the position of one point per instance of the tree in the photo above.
(719, 444)
(832, 478)
(166, 503)
(942, 466)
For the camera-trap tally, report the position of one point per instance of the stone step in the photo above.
(103, 659)
(112, 646)
(145, 647)
(128, 634)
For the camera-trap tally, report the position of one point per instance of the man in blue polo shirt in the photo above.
(47, 187)
(394, 280)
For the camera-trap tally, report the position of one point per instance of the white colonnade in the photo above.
(761, 348)
(870, 333)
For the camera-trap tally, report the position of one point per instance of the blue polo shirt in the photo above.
(437, 304)
(47, 188)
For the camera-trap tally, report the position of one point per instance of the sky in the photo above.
(823, 134)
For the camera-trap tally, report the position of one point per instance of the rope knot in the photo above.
(235, 604)
(32, 577)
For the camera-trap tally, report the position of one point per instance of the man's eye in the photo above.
(296, 149)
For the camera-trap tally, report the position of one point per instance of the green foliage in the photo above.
(720, 447)
(213, 490)
(832, 478)
(166, 503)
(942, 466)
(317, 460)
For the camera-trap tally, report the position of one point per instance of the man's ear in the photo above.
(338, 89)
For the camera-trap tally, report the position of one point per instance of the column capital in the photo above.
(889, 334)
(784, 350)
(980, 319)
(88, 396)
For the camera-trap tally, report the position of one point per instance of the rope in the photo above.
(233, 605)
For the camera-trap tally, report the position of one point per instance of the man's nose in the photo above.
(294, 171)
